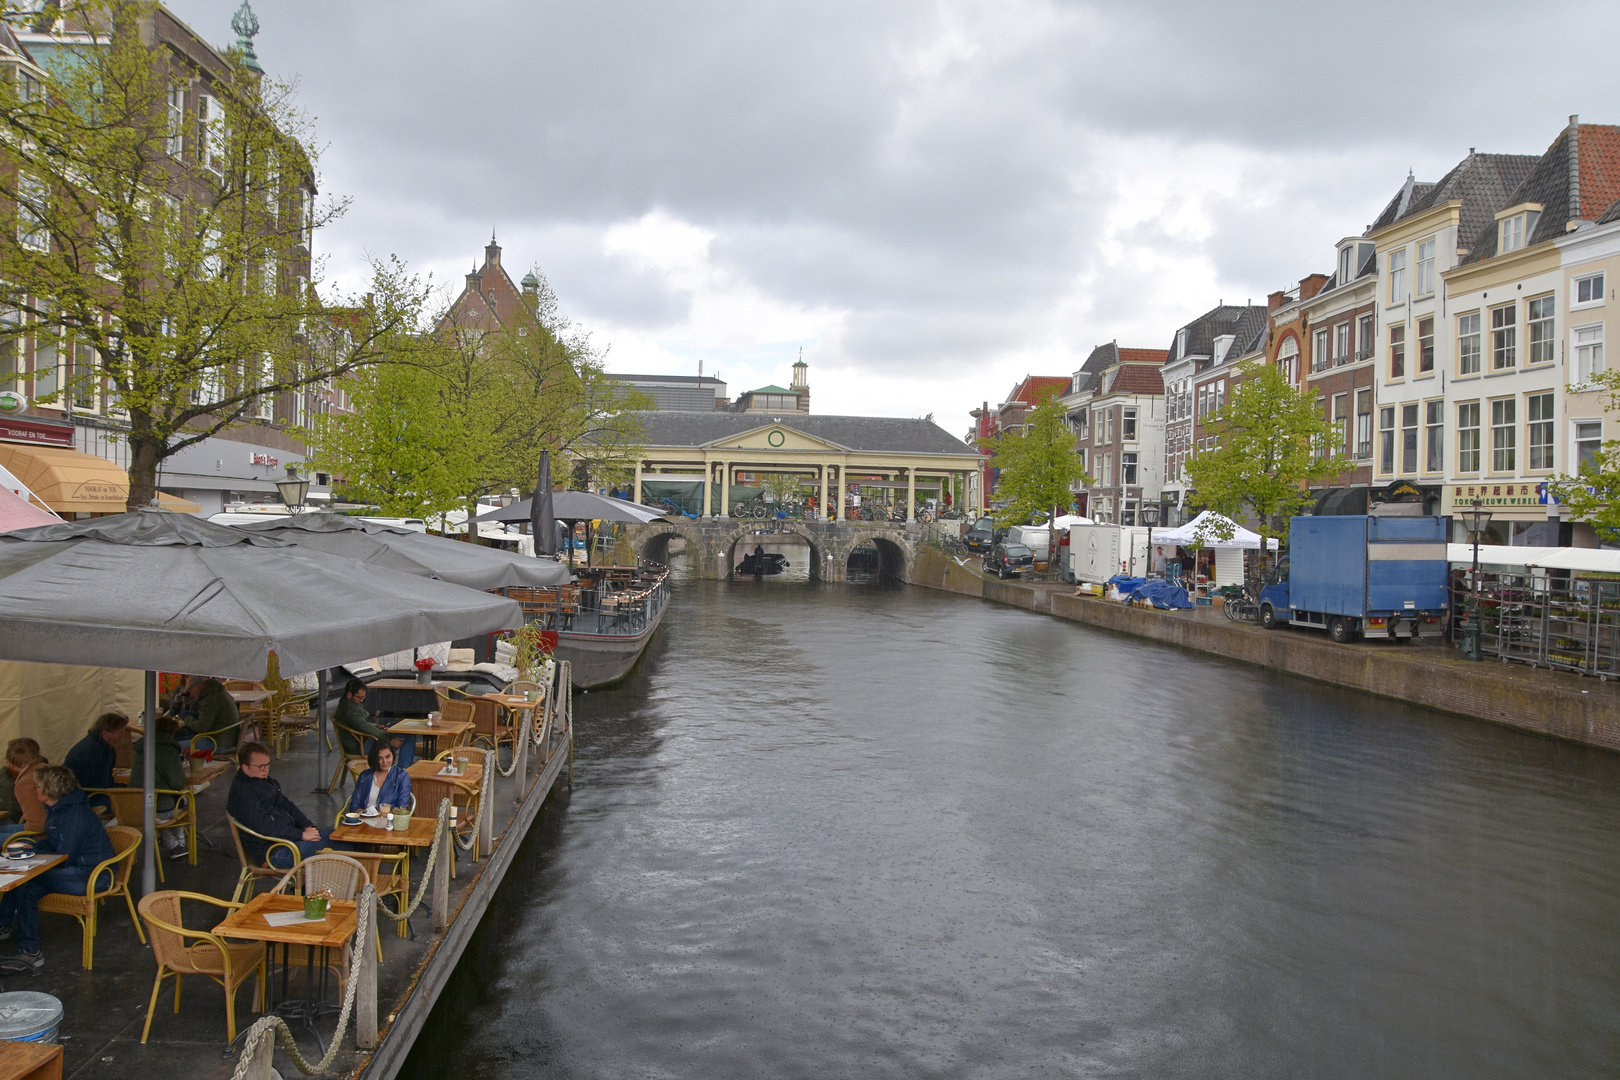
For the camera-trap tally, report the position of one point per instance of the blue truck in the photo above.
(1360, 576)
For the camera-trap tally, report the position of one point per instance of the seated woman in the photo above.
(71, 829)
(384, 782)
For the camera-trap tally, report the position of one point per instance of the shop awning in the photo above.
(72, 482)
(68, 481)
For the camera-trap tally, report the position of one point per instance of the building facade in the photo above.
(1198, 378)
(1123, 425)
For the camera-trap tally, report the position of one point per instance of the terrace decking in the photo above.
(105, 1009)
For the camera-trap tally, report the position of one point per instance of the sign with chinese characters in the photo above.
(265, 459)
(1460, 497)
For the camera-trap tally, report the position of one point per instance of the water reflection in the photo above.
(848, 831)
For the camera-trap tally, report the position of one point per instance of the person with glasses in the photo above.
(257, 802)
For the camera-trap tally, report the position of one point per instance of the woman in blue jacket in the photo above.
(384, 782)
(71, 829)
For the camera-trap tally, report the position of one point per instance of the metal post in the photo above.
(148, 783)
(1472, 645)
(321, 678)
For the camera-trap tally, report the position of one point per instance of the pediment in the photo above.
(775, 439)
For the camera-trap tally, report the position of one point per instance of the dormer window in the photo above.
(1346, 270)
(1181, 343)
(1515, 227)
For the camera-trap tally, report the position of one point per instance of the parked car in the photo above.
(982, 535)
(1009, 560)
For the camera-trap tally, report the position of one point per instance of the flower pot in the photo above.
(402, 822)
(314, 907)
(425, 677)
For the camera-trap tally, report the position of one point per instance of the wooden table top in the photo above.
(11, 881)
(450, 728)
(412, 684)
(419, 834)
(29, 1060)
(247, 922)
(250, 697)
(429, 770)
(198, 772)
(512, 701)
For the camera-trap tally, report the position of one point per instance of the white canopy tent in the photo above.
(1581, 560)
(1212, 530)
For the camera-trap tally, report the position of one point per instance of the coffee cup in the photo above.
(351, 818)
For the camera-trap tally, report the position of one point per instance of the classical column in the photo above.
(708, 482)
(725, 489)
(911, 494)
(635, 491)
(824, 511)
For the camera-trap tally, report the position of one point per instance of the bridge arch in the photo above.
(726, 547)
(896, 552)
(711, 543)
(651, 541)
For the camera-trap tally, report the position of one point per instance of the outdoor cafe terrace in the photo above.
(105, 1007)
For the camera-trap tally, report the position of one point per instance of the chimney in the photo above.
(1276, 300)
(1311, 285)
(1574, 173)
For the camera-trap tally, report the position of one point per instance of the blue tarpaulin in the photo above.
(1161, 594)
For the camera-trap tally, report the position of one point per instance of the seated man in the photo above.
(352, 714)
(216, 712)
(93, 758)
(23, 760)
(256, 802)
(169, 773)
(71, 829)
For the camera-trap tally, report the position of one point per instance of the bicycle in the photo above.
(1241, 606)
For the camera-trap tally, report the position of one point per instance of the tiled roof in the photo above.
(1590, 152)
(1242, 322)
(1034, 387)
(1611, 214)
(1143, 356)
(875, 434)
(1483, 183)
(1398, 205)
(1132, 378)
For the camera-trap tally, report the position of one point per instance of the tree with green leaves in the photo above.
(1039, 466)
(465, 410)
(1271, 443)
(1592, 492)
(160, 263)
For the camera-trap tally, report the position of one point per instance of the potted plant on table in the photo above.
(424, 671)
(315, 903)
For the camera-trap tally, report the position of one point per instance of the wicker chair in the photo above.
(429, 792)
(251, 872)
(228, 963)
(341, 875)
(345, 757)
(390, 872)
(488, 726)
(129, 808)
(82, 906)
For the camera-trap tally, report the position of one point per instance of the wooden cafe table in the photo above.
(468, 781)
(249, 923)
(17, 872)
(454, 730)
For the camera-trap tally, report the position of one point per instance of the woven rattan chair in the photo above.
(251, 872)
(346, 757)
(429, 792)
(341, 875)
(228, 963)
(129, 808)
(82, 906)
(390, 871)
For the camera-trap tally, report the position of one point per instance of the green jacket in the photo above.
(354, 716)
(216, 710)
(170, 769)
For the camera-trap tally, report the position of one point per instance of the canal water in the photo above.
(838, 831)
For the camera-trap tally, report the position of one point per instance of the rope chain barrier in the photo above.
(442, 827)
(272, 1025)
(486, 790)
(523, 733)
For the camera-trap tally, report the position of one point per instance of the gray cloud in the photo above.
(942, 172)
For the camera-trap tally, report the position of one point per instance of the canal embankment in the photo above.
(1545, 702)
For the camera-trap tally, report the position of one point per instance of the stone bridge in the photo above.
(712, 542)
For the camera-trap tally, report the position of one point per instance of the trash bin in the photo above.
(29, 1016)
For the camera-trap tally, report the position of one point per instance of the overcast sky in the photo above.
(931, 199)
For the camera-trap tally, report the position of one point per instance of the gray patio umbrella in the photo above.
(579, 506)
(542, 520)
(471, 565)
(154, 591)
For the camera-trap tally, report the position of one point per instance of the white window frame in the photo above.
(1505, 337)
(1542, 333)
(1411, 436)
(1128, 469)
(1594, 438)
(177, 121)
(33, 197)
(1544, 426)
(1424, 284)
(1504, 436)
(1397, 348)
(1320, 361)
(1472, 331)
(1397, 276)
(1434, 435)
(1127, 424)
(1588, 352)
(1595, 284)
(1477, 429)
(1386, 440)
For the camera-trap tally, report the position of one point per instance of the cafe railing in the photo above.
(1564, 622)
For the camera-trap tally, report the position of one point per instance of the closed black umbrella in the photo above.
(542, 522)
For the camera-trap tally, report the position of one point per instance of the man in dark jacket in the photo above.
(216, 712)
(351, 714)
(257, 802)
(93, 757)
(71, 829)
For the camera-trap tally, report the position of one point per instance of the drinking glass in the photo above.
(383, 808)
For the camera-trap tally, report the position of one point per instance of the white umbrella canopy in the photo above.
(1213, 531)
(471, 565)
(159, 591)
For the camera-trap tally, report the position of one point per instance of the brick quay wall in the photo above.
(1551, 703)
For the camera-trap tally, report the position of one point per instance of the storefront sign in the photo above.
(1401, 491)
(40, 433)
(102, 491)
(1462, 496)
(12, 403)
(265, 459)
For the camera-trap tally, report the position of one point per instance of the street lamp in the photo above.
(1477, 519)
(293, 488)
(1150, 518)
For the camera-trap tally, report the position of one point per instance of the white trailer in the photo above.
(1098, 552)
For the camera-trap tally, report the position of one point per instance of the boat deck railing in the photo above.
(610, 601)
